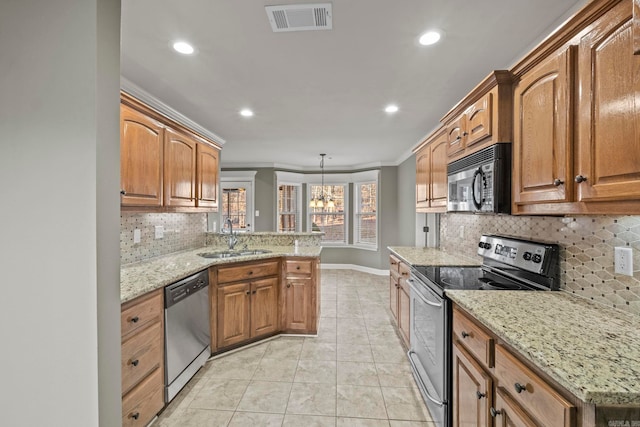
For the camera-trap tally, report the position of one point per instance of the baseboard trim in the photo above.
(355, 267)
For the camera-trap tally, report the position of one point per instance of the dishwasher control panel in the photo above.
(180, 290)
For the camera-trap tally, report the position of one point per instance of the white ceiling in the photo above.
(324, 91)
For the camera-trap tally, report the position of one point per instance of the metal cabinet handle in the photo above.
(248, 292)
(520, 388)
(464, 334)
(250, 273)
(135, 319)
(135, 415)
(480, 395)
(298, 268)
(494, 412)
(458, 138)
(254, 292)
(288, 285)
(465, 133)
(558, 182)
(135, 362)
(580, 178)
(122, 192)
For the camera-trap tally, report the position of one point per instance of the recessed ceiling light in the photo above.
(245, 112)
(429, 38)
(184, 48)
(391, 108)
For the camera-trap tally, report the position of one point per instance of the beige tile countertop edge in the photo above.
(414, 255)
(139, 278)
(591, 350)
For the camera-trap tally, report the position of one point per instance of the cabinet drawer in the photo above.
(144, 401)
(394, 264)
(141, 354)
(250, 271)
(532, 392)
(473, 338)
(405, 270)
(137, 314)
(298, 267)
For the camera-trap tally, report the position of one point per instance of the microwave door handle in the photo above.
(476, 202)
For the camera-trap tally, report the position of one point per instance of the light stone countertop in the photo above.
(139, 278)
(591, 350)
(431, 256)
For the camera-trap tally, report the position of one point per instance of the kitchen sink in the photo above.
(229, 254)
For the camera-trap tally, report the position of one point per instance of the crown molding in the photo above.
(164, 109)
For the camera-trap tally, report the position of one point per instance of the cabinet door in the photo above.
(542, 133)
(508, 413)
(298, 303)
(233, 314)
(393, 296)
(472, 391)
(141, 159)
(179, 169)
(423, 177)
(479, 121)
(609, 115)
(404, 317)
(207, 168)
(439, 189)
(455, 136)
(264, 307)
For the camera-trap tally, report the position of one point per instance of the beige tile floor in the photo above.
(354, 373)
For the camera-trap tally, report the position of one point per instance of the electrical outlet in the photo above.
(462, 231)
(136, 235)
(257, 212)
(624, 261)
(159, 231)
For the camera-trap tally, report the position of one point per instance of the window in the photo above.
(288, 208)
(365, 216)
(331, 220)
(234, 206)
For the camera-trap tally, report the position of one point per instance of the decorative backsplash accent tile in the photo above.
(182, 231)
(586, 255)
(258, 239)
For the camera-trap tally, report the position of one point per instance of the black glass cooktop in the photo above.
(468, 278)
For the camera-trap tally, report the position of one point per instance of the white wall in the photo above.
(50, 138)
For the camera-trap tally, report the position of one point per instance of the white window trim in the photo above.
(356, 206)
(346, 212)
(248, 177)
(298, 207)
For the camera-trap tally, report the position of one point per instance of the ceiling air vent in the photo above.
(300, 17)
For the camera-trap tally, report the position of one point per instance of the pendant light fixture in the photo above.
(322, 201)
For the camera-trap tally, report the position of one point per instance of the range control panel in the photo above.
(524, 254)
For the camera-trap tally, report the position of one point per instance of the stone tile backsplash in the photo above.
(182, 231)
(586, 255)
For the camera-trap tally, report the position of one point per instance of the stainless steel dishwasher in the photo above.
(187, 330)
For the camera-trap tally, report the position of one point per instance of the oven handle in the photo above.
(419, 295)
(421, 384)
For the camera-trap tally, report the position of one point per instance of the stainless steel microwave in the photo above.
(481, 182)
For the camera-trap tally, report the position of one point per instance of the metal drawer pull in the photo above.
(580, 178)
(464, 334)
(520, 388)
(135, 319)
(558, 182)
(494, 412)
(135, 362)
(480, 395)
(135, 415)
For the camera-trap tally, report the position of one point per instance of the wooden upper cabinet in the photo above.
(208, 166)
(179, 169)
(609, 117)
(439, 188)
(542, 132)
(478, 121)
(636, 27)
(455, 135)
(423, 177)
(141, 159)
(431, 173)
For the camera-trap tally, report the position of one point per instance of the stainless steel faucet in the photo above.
(232, 238)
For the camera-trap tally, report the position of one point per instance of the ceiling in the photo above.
(324, 91)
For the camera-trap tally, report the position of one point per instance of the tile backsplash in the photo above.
(586, 255)
(181, 231)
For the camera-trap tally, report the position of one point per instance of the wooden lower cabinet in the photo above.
(248, 308)
(142, 358)
(301, 296)
(400, 297)
(473, 389)
(511, 393)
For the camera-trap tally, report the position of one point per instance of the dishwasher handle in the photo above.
(184, 288)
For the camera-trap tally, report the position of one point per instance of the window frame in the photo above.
(298, 212)
(345, 214)
(357, 212)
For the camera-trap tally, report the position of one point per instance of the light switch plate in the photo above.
(159, 231)
(136, 235)
(623, 261)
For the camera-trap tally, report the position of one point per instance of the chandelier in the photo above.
(319, 202)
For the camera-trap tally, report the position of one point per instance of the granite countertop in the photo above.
(591, 350)
(139, 278)
(431, 256)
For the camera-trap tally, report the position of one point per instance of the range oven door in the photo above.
(429, 353)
